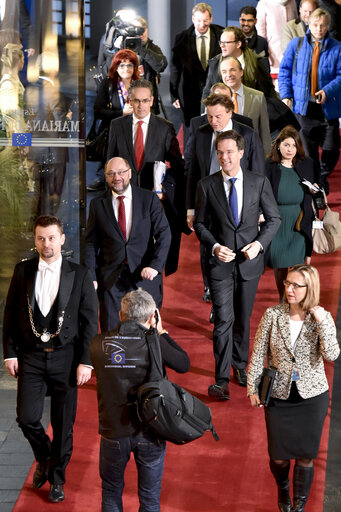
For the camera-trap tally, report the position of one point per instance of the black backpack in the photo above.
(167, 409)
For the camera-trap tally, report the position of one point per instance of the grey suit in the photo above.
(233, 285)
(255, 108)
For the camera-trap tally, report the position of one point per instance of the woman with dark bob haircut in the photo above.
(112, 98)
(286, 167)
(296, 337)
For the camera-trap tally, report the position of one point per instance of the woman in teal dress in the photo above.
(286, 167)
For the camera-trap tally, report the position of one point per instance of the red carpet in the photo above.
(229, 476)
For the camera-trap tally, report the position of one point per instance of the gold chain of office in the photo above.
(45, 336)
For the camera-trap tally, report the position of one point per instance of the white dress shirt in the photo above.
(144, 128)
(128, 205)
(238, 186)
(47, 284)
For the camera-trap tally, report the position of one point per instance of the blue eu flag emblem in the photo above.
(118, 358)
(21, 139)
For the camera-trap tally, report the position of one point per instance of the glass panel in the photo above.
(41, 125)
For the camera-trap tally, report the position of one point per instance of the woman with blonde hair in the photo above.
(296, 337)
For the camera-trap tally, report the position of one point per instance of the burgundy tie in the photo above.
(139, 149)
(122, 217)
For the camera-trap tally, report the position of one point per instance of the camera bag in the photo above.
(167, 409)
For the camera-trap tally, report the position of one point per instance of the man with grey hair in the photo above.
(309, 82)
(121, 361)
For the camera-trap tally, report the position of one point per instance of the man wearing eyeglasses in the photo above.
(127, 242)
(247, 22)
(144, 140)
(256, 69)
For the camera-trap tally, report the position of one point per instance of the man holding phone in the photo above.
(309, 82)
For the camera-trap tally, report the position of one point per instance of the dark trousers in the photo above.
(232, 300)
(317, 131)
(54, 372)
(149, 457)
(110, 300)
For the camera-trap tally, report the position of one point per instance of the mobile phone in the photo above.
(319, 97)
(156, 315)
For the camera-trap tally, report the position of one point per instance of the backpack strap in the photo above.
(153, 343)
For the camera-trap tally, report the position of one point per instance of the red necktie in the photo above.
(122, 217)
(314, 68)
(139, 149)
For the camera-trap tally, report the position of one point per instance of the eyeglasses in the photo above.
(111, 174)
(135, 101)
(294, 285)
(121, 66)
(224, 43)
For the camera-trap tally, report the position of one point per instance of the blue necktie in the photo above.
(233, 201)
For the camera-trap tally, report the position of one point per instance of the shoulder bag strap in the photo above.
(153, 342)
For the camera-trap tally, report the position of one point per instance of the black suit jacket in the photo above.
(253, 158)
(306, 169)
(214, 223)
(77, 298)
(161, 145)
(198, 121)
(259, 45)
(187, 76)
(106, 251)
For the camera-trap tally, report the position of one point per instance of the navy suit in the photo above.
(116, 263)
(54, 370)
(233, 285)
(253, 158)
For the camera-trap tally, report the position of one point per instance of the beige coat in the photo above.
(315, 343)
(291, 30)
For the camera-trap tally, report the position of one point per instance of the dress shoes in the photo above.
(56, 493)
(212, 316)
(206, 295)
(96, 185)
(40, 474)
(219, 391)
(240, 376)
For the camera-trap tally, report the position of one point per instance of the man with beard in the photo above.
(127, 242)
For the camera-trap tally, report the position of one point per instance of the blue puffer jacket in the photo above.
(294, 75)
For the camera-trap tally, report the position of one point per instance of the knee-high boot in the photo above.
(280, 474)
(303, 477)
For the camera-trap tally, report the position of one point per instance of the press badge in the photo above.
(318, 224)
(296, 375)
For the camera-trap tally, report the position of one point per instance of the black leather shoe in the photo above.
(240, 376)
(96, 185)
(56, 493)
(212, 316)
(219, 391)
(40, 474)
(207, 295)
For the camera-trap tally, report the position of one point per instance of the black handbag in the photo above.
(266, 384)
(96, 144)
